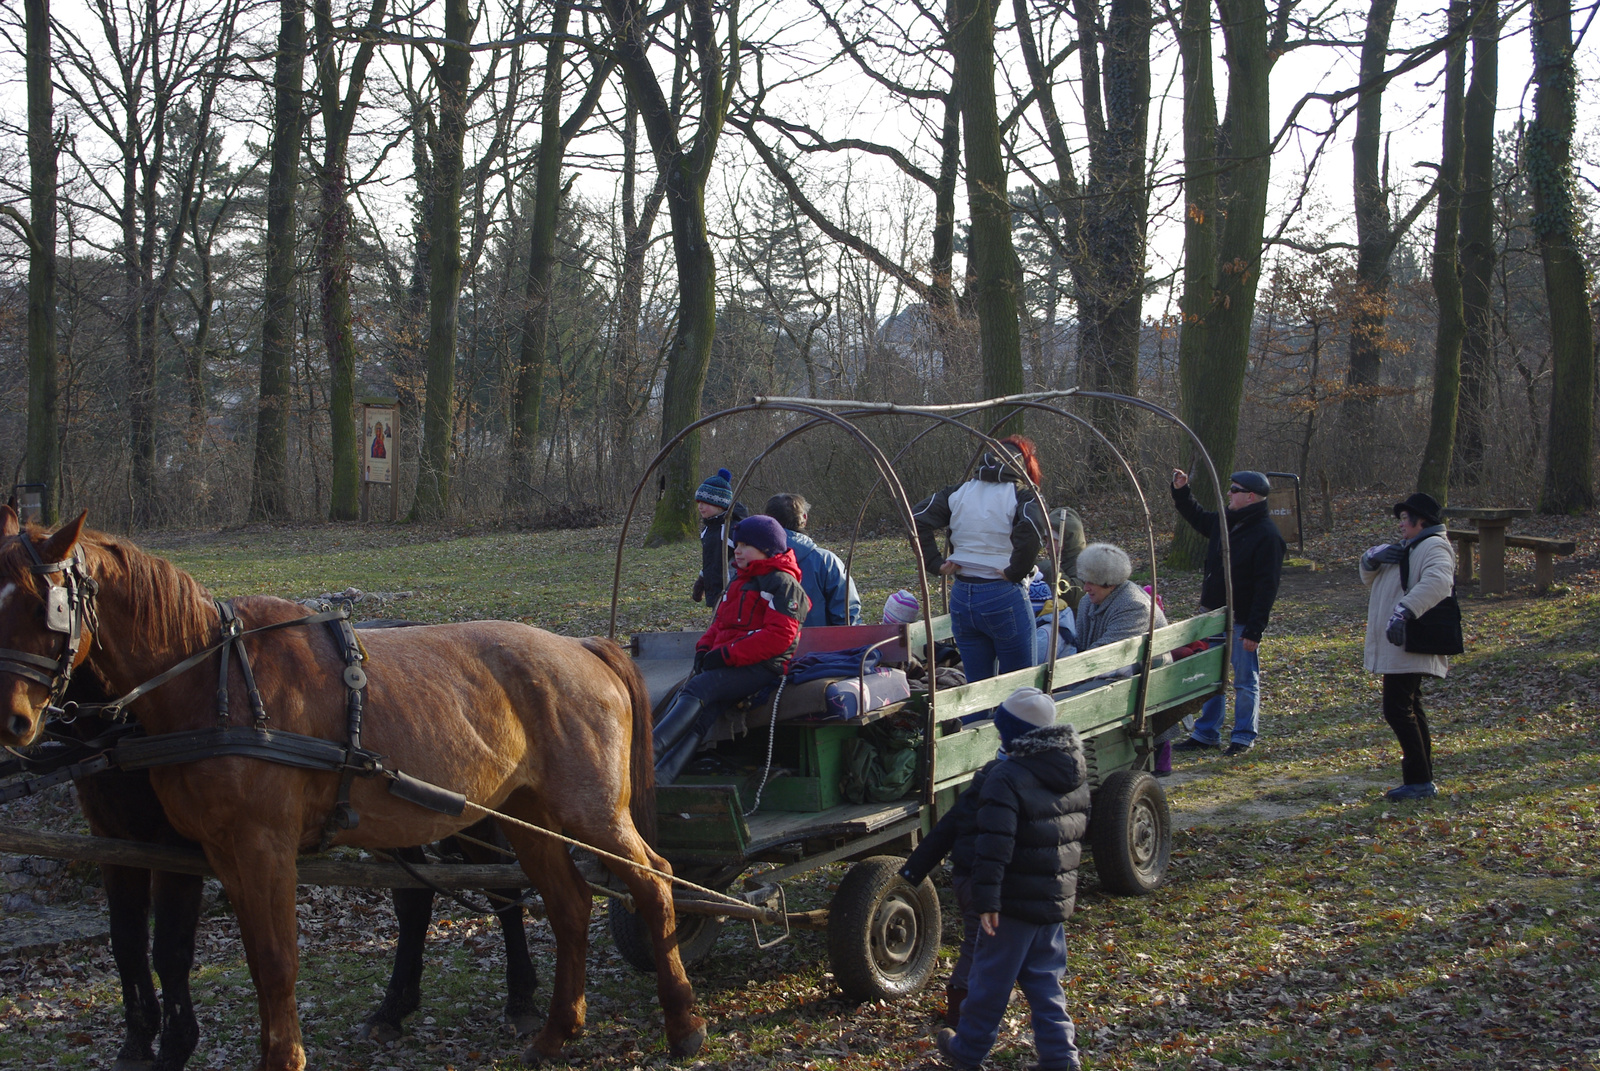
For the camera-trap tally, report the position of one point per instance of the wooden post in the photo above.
(1327, 502)
(1492, 556)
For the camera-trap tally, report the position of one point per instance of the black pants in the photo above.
(1402, 709)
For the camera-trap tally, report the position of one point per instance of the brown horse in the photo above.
(550, 730)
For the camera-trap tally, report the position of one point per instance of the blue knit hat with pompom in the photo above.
(717, 490)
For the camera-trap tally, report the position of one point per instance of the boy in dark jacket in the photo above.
(753, 636)
(714, 501)
(1032, 814)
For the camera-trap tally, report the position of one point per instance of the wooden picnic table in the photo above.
(1492, 522)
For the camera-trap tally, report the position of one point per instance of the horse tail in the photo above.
(642, 763)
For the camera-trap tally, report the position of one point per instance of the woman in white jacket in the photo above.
(1390, 608)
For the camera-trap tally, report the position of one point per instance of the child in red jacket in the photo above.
(752, 637)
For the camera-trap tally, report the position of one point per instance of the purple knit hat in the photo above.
(763, 533)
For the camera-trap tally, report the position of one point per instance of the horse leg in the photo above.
(413, 909)
(567, 905)
(521, 977)
(177, 908)
(259, 878)
(128, 904)
(652, 897)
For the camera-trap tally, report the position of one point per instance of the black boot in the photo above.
(670, 765)
(679, 717)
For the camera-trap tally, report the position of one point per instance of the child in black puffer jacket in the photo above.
(1031, 815)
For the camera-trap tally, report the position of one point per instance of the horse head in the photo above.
(43, 634)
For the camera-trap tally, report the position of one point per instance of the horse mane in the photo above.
(170, 608)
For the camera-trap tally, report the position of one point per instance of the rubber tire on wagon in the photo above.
(697, 936)
(1130, 831)
(883, 932)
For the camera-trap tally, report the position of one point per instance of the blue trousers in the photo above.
(1246, 699)
(992, 624)
(1035, 958)
(970, 928)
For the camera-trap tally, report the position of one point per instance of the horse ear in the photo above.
(9, 524)
(59, 546)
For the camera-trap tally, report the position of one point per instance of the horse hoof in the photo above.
(379, 1030)
(689, 1044)
(524, 1021)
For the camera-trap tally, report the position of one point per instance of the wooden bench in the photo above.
(1544, 551)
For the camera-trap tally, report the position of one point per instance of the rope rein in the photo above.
(772, 732)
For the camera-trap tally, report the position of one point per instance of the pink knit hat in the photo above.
(901, 608)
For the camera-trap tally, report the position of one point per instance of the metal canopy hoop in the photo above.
(843, 413)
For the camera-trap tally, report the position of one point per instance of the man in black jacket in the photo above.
(1256, 556)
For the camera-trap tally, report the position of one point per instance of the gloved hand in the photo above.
(1385, 554)
(910, 878)
(698, 592)
(713, 660)
(1396, 630)
(699, 660)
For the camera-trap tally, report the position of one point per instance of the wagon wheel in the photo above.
(883, 932)
(1130, 830)
(697, 934)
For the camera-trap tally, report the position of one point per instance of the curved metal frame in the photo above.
(820, 413)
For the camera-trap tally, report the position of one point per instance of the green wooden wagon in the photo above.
(778, 811)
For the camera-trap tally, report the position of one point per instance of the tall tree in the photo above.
(1102, 232)
(1434, 475)
(1377, 237)
(1211, 386)
(686, 166)
(269, 494)
(991, 257)
(432, 499)
(338, 110)
(44, 422)
(554, 137)
(1547, 155)
(1477, 246)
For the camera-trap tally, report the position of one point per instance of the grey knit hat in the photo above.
(1104, 564)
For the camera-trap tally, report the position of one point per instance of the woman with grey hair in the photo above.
(1114, 607)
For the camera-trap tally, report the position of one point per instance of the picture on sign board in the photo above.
(379, 443)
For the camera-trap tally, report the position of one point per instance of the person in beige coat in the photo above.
(1390, 607)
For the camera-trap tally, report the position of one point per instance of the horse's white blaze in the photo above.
(6, 593)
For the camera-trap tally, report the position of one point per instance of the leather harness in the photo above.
(127, 748)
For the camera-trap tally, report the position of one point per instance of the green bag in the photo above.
(880, 764)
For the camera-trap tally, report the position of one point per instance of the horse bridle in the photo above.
(68, 608)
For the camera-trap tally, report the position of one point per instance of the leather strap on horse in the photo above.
(68, 606)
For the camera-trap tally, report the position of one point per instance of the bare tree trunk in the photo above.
(686, 168)
(1375, 241)
(432, 499)
(991, 258)
(1211, 373)
(333, 255)
(1477, 247)
(44, 420)
(1547, 155)
(270, 471)
(1434, 475)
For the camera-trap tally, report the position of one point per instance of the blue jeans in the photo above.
(1246, 699)
(1034, 957)
(991, 623)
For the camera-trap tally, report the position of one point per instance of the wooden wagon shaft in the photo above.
(360, 875)
(349, 873)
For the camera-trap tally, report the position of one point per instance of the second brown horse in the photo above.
(550, 730)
